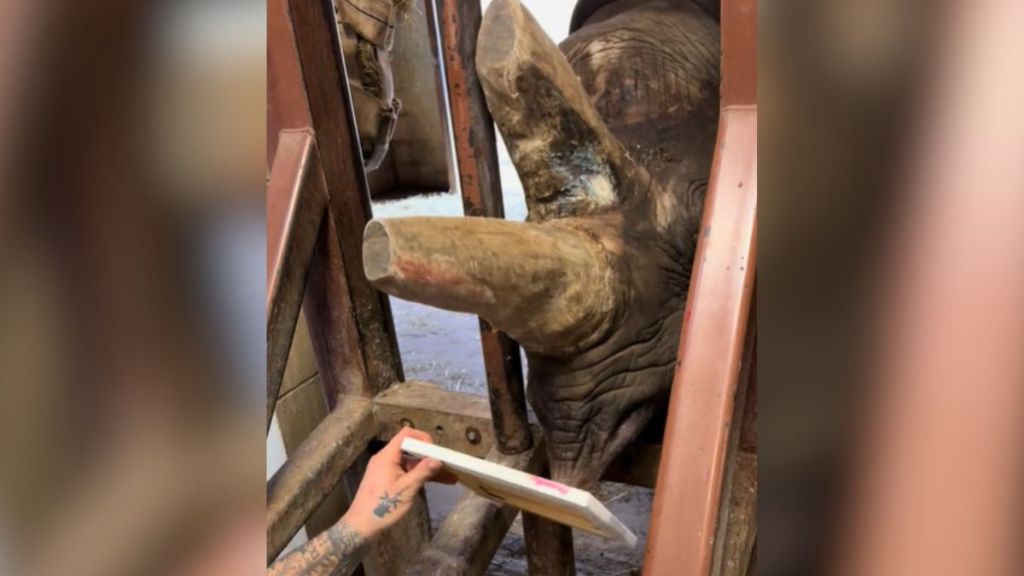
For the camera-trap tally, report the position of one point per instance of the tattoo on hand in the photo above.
(337, 551)
(387, 504)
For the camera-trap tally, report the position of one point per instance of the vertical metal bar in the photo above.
(349, 321)
(477, 160)
(330, 107)
(549, 545)
(295, 205)
(330, 321)
(287, 108)
(688, 493)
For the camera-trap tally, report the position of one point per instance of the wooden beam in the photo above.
(330, 320)
(734, 534)
(309, 474)
(296, 199)
(546, 538)
(474, 529)
(741, 524)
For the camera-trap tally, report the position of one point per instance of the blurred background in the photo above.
(132, 286)
(890, 287)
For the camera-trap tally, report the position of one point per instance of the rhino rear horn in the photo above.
(569, 162)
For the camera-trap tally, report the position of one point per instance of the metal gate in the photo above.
(317, 206)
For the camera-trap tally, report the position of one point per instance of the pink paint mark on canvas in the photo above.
(545, 483)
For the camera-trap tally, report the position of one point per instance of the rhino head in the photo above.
(593, 284)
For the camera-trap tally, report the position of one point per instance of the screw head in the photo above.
(406, 422)
(473, 435)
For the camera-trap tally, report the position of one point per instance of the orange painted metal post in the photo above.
(688, 493)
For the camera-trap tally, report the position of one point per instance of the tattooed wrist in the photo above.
(351, 543)
(337, 551)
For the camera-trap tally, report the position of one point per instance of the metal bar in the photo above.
(477, 160)
(688, 494)
(288, 108)
(454, 419)
(314, 469)
(298, 413)
(286, 95)
(353, 338)
(295, 205)
(330, 107)
(474, 529)
(544, 537)
(331, 324)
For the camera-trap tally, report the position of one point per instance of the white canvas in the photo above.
(540, 496)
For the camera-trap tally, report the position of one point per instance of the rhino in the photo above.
(612, 134)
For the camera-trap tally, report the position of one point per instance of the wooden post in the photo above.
(477, 161)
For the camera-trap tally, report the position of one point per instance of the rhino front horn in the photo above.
(540, 283)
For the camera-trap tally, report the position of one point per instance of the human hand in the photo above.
(388, 487)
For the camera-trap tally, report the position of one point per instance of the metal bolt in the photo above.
(406, 422)
(473, 435)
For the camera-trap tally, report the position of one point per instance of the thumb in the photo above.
(414, 479)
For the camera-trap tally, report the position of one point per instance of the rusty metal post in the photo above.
(688, 493)
(477, 160)
(549, 545)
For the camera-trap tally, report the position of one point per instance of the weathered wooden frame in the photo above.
(317, 207)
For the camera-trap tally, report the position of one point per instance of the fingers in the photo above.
(393, 451)
(414, 479)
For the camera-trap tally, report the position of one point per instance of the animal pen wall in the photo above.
(318, 203)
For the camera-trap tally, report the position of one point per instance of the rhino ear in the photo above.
(570, 164)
